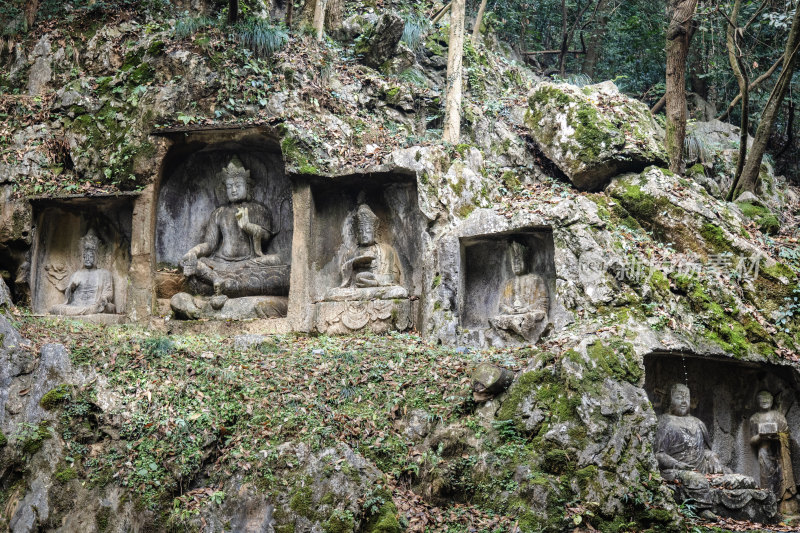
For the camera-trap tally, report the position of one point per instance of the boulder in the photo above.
(489, 380)
(593, 133)
(381, 44)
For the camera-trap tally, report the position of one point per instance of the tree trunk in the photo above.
(289, 14)
(678, 35)
(752, 166)
(596, 37)
(740, 73)
(476, 30)
(562, 55)
(319, 18)
(306, 15)
(31, 7)
(455, 52)
(233, 11)
(334, 15)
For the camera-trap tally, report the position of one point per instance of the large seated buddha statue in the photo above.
(90, 290)
(370, 293)
(232, 259)
(686, 460)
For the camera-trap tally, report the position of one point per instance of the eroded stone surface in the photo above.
(593, 133)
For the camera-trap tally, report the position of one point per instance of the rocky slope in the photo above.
(147, 427)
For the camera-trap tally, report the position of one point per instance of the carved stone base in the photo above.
(97, 318)
(729, 496)
(378, 316)
(525, 326)
(188, 307)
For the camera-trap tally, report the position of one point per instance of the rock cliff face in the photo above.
(156, 424)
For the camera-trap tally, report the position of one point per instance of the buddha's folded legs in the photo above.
(249, 277)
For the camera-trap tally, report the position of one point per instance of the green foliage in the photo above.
(763, 217)
(187, 26)
(790, 311)
(340, 522)
(158, 346)
(30, 437)
(66, 474)
(260, 37)
(416, 27)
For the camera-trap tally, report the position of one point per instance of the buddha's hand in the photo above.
(680, 465)
(242, 218)
(189, 263)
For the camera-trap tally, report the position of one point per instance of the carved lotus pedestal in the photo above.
(376, 309)
(188, 307)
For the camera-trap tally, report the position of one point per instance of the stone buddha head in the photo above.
(89, 244)
(366, 225)
(236, 181)
(764, 399)
(680, 400)
(517, 254)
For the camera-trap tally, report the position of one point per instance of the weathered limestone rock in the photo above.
(383, 41)
(593, 133)
(188, 307)
(5, 295)
(489, 380)
(41, 71)
(355, 25)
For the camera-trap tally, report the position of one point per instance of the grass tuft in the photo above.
(260, 37)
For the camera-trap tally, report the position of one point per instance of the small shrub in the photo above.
(158, 346)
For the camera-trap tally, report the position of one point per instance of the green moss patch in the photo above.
(763, 217)
(715, 237)
(55, 397)
(616, 360)
(66, 474)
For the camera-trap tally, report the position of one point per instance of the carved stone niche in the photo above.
(224, 228)
(365, 245)
(507, 287)
(61, 280)
(725, 397)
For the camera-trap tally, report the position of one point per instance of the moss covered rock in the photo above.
(593, 133)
